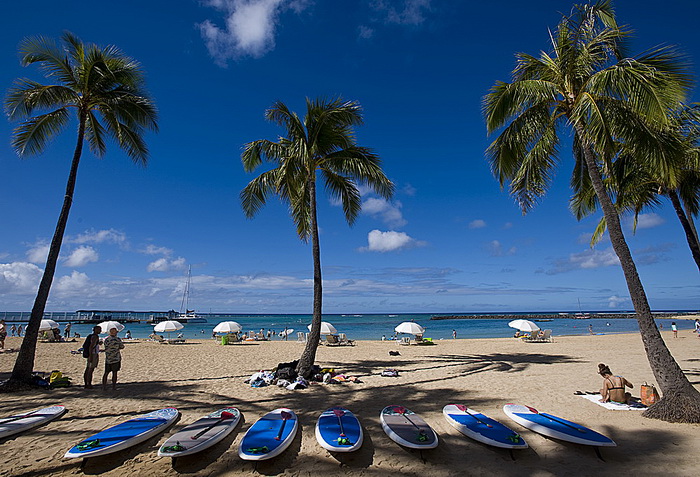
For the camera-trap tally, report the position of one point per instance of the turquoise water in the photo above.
(374, 326)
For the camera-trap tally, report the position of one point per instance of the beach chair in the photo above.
(405, 341)
(343, 340)
(332, 340)
(301, 337)
(547, 336)
(419, 339)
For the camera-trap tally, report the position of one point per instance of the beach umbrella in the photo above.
(326, 328)
(105, 326)
(47, 325)
(168, 326)
(410, 327)
(524, 325)
(227, 327)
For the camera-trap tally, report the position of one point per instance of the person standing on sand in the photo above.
(697, 327)
(92, 343)
(674, 328)
(113, 358)
(3, 334)
(66, 331)
(19, 330)
(454, 334)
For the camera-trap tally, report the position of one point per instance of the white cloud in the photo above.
(19, 278)
(155, 250)
(648, 221)
(387, 212)
(615, 301)
(402, 12)
(164, 265)
(587, 259)
(496, 249)
(477, 224)
(249, 27)
(365, 32)
(81, 256)
(38, 253)
(100, 236)
(75, 283)
(390, 241)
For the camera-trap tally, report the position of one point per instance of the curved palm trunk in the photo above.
(308, 356)
(24, 364)
(689, 232)
(681, 401)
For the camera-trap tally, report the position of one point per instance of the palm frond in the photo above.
(33, 134)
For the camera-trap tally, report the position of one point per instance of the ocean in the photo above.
(376, 326)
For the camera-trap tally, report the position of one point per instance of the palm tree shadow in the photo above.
(278, 465)
(362, 458)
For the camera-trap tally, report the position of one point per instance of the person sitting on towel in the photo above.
(614, 386)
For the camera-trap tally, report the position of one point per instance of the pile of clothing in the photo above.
(285, 375)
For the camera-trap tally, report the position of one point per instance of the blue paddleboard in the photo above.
(269, 436)
(555, 427)
(124, 435)
(339, 430)
(482, 428)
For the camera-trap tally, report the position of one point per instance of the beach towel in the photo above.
(613, 406)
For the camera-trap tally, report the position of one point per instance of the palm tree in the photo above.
(322, 144)
(636, 186)
(105, 90)
(605, 97)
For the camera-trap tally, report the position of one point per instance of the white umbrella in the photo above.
(524, 325)
(326, 328)
(168, 326)
(410, 327)
(105, 326)
(47, 325)
(227, 327)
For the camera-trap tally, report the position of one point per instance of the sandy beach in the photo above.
(201, 376)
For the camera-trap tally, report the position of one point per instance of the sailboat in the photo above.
(189, 316)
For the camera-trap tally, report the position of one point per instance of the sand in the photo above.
(200, 376)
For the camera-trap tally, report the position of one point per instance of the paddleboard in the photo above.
(124, 435)
(29, 420)
(201, 434)
(555, 427)
(407, 428)
(269, 436)
(339, 430)
(482, 428)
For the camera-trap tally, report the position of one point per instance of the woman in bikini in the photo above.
(613, 386)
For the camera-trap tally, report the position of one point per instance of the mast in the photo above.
(186, 294)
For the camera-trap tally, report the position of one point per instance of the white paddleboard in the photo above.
(482, 428)
(201, 434)
(555, 427)
(29, 420)
(124, 435)
(407, 428)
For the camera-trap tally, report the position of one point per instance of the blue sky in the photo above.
(450, 241)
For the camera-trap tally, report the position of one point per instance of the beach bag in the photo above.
(390, 373)
(648, 394)
(58, 380)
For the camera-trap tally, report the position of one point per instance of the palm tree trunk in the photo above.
(680, 401)
(689, 233)
(24, 364)
(308, 356)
